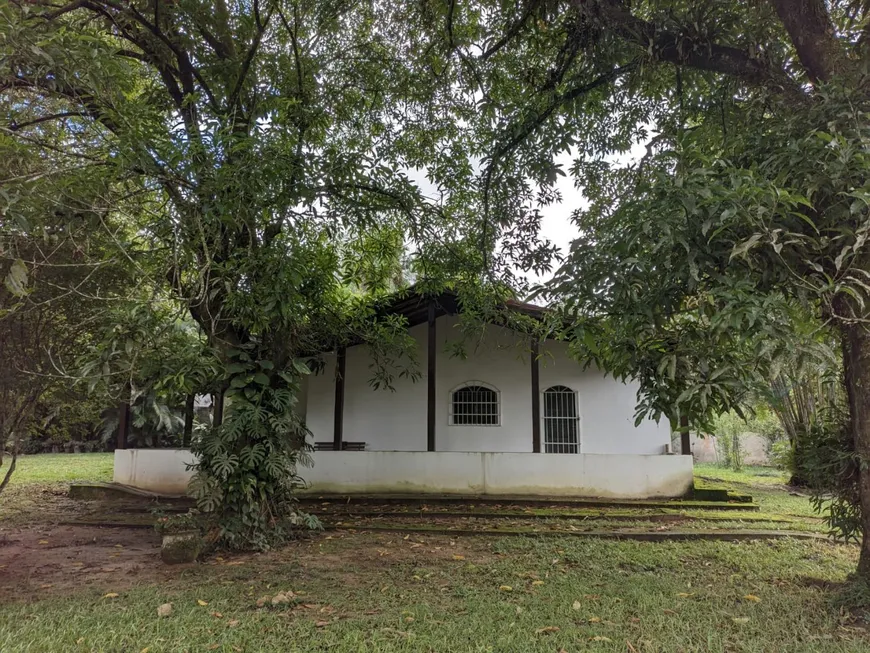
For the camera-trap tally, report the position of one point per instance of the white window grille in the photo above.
(474, 404)
(561, 420)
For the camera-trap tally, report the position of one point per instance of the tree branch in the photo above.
(674, 48)
(513, 30)
(15, 126)
(809, 26)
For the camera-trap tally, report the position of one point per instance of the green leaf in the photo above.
(741, 249)
(16, 279)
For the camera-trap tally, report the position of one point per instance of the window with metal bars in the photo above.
(474, 404)
(561, 420)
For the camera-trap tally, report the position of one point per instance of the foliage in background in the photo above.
(729, 429)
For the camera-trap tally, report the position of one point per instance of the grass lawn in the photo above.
(62, 468)
(40, 480)
(364, 592)
(748, 475)
(70, 588)
(765, 484)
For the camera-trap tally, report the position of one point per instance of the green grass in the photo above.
(765, 486)
(62, 468)
(389, 592)
(367, 593)
(746, 476)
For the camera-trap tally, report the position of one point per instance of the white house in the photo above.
(501, 421)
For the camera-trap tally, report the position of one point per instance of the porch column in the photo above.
(536, 398)
(685, 436)
(217, 409)
(338, 417)
(188, 421)
(430, 372)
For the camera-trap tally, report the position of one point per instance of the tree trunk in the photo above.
(856, 366)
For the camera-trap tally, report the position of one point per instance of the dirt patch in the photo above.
(41, 561)
(51, 560)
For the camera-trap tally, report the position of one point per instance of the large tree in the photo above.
(266, 147)
(752, 194)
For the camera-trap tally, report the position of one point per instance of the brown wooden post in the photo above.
(217, 414)
(536, 397)
(685, 439)
(338, 417)
(432, 351)
(123, 424)
(188, 421)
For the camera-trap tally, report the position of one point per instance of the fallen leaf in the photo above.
(506, 588)
(576, 605)
(201, 602)
(111, 595)
(685, 595)
(409, 619)
(740, 620)
(280, 599)
(600, 638)
(666, 611)
(594, 620)
(217, 615)
(456, 556)
(119, 546)
(547, 629)
(48, 586)
(80, 640)
(321, 624)
(753, 598)
(232, 623)
(43, 541)
(164, 610)
(145, 650)
(263, 600)
(537, 582)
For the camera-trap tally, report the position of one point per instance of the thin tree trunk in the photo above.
(9, 471)
(856, 365)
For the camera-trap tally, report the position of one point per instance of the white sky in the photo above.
(556, 225)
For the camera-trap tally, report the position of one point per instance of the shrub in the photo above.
(831, 466)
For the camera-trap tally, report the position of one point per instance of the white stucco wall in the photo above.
(396, 421)
(163, 471)
(628, 476)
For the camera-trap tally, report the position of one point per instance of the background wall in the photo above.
(396, 421)
(754, 448)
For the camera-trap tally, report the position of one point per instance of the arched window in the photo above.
(474, 404)
(561, 420)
